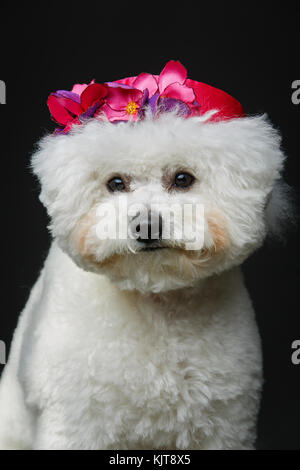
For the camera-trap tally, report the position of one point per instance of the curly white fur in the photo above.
(122, 349)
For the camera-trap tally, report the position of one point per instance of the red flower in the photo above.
(72, 107)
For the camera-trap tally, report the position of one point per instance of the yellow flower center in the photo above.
(131, 107)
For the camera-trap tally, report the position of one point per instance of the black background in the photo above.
(252, 52)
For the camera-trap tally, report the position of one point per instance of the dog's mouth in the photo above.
(153, 248)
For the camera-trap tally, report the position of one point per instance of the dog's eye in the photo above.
(183, 180)
(116, 184)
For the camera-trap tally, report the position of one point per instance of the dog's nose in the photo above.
(149, 228)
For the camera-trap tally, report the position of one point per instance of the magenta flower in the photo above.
(171, 83)
(122, 102)
(168, 90)
(146, 81)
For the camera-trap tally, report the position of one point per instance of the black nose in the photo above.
(149, 230)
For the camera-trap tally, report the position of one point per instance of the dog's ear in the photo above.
(280, 210)
(279, 199)
(67, 179)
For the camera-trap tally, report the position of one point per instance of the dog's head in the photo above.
(103, 177)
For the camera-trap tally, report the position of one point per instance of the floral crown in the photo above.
(128, 98)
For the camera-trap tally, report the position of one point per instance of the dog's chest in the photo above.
(119, 374)
(142, 361)
(146, 382)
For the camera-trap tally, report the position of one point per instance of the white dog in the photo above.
(144, 344)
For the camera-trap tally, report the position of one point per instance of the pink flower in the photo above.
(167, 90)
(146, 80)
(171, 83)
(122, 102)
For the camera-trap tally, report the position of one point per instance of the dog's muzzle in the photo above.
(146, 228)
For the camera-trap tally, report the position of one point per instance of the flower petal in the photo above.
(126, 81)
(173, 72)
(72, 106)
(146, 80)
(59, 111)
(179, 92)
(68, 94)
(92, 93)
(117, 84)
(153, 103)
(90, 111)
(118, 98)
(79, 88)
(144, 101)
(114, 115)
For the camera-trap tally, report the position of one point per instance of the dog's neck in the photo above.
(176, 303)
